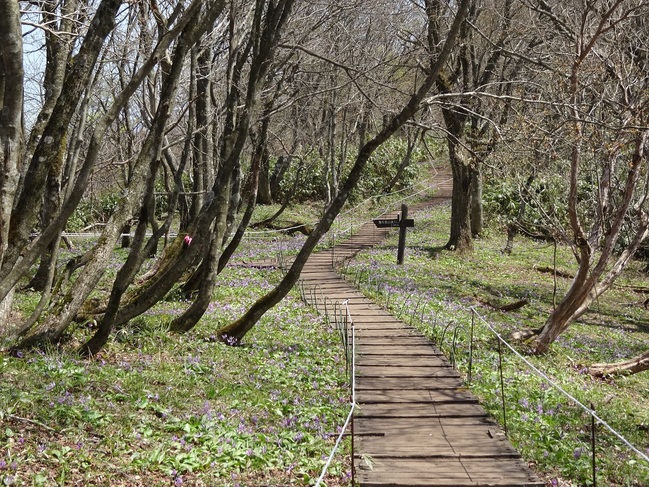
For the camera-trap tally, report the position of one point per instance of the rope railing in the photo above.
(350, 417)
(344, 324)
(446, 334)
(557, 387)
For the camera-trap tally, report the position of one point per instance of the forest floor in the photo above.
(443, 293)
(158, 409)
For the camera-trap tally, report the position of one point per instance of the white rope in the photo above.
(352, 404)
(558, 387)
(335, 448)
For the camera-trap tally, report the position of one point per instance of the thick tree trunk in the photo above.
(209, 273)
(52, 144)
(461, 238)
(203, 146)
(11, 132)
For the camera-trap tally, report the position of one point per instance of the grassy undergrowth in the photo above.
(435, 289)
(264, 244)
(161, 409)
(157, 409)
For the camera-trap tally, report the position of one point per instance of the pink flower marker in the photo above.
(187, 240)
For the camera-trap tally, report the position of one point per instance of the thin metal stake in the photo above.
(471, 345)
(353, 467)
(502, 384)
(592, 440)
(353, 382)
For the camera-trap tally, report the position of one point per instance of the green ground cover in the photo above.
(435, 289)
(158, 409)
(162, 409)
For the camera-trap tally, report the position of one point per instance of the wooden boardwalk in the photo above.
(416, 423)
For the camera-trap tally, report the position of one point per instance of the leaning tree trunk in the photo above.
(14, 269)
(214, 263)
(179, 256)
(53, 140)
(588, 283)
(62, 315)
(64, 311)
(564, 314)
(125, 275)
(209, 269)
(234, 332)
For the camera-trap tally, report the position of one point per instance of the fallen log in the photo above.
(553, 271)
(507, 307)
(627, 367)
(288, 228)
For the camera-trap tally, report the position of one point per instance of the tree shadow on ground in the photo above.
(433, 252)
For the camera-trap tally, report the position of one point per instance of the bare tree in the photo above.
(236, 330)
(60, 316)
(601, 85)
(11, 129)
(475, 109)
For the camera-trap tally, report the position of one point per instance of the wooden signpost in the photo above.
(403, 222)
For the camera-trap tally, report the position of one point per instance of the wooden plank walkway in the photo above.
(416, 423)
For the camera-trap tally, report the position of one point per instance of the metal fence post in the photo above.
(592, 441)
(502, 384)
(471, 345)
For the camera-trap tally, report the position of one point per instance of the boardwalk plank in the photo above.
(418, 396)
(408, 383)
(423, 410)
(445, 473)
(432, 437)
